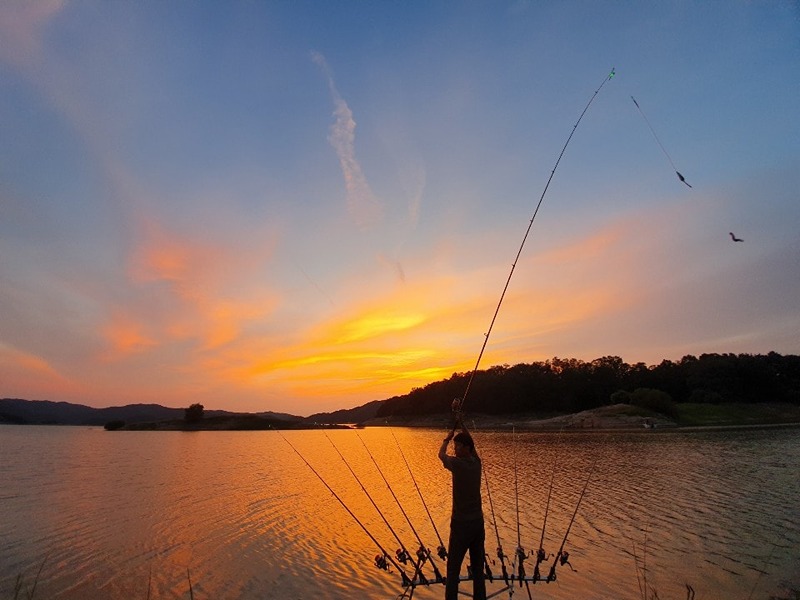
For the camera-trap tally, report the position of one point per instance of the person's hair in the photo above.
(466, 439)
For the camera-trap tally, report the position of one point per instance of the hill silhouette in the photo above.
(547, 388)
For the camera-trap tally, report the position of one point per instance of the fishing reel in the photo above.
(402, 556)
(458, 415)
(442, 552)
(564, 560)
(487, 571)
(521, 555)
(500, 554)
(541, 556)
(381, 562)
(423, 553)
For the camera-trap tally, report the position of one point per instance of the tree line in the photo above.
(571, 385)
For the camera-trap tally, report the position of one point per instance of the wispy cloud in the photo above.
(364, 208)
(21, 372)
(21, 25)
(125, 336)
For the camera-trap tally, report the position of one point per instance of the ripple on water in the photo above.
(112, 514)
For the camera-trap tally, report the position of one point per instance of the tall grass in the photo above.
(18, 584)
(28, 594)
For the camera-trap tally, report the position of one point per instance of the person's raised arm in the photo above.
(443, 447)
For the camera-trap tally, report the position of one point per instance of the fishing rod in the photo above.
(521, 554)
(563, 557)
(524, 239)
(500, 554)
(658, 141)
(400, 506)
(441, 550)
(383, 559)
(541, 555)
(402, 554)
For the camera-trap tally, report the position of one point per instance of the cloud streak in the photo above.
(364, 208)
(21, 25)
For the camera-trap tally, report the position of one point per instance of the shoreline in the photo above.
(613, 418)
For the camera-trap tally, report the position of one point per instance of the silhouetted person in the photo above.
(466, 522)
(734, 238)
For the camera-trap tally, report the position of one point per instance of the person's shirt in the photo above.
(466, 487)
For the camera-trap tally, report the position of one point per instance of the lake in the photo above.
(132, 515)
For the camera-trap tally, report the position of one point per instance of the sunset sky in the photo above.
(303, 206)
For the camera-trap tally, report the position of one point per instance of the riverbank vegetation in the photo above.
(693, 390)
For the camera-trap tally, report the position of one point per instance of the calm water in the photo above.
(107, 515)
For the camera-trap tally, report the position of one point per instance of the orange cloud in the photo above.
(14, 358)
(23, 373)
(199, 279)
(392, 336)
(126, 336)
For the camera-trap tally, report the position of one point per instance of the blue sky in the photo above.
(304, 206)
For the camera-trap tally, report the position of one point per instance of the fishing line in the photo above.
(658, 141)
(406, 581)
(460, 403)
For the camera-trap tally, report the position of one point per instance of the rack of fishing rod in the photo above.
(518, 573)
(514, 570)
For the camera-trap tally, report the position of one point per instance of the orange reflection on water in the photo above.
(247, 517)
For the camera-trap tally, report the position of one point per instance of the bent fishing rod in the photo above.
(459, 403)
(382, 560)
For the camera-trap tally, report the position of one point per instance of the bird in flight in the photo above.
(734, 238)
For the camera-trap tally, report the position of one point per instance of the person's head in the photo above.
(464, 446)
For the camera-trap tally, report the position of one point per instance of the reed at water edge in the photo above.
(647, 591)
(30, 593)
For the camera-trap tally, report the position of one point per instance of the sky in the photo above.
(303, 206)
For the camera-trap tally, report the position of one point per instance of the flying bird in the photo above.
(664, 150)
(734, 238)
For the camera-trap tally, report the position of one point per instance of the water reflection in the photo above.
(115, 513)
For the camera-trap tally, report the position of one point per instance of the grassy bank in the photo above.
(704, 415)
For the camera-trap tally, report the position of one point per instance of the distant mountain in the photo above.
(279, 416)
(45, 412)
(359, 414)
